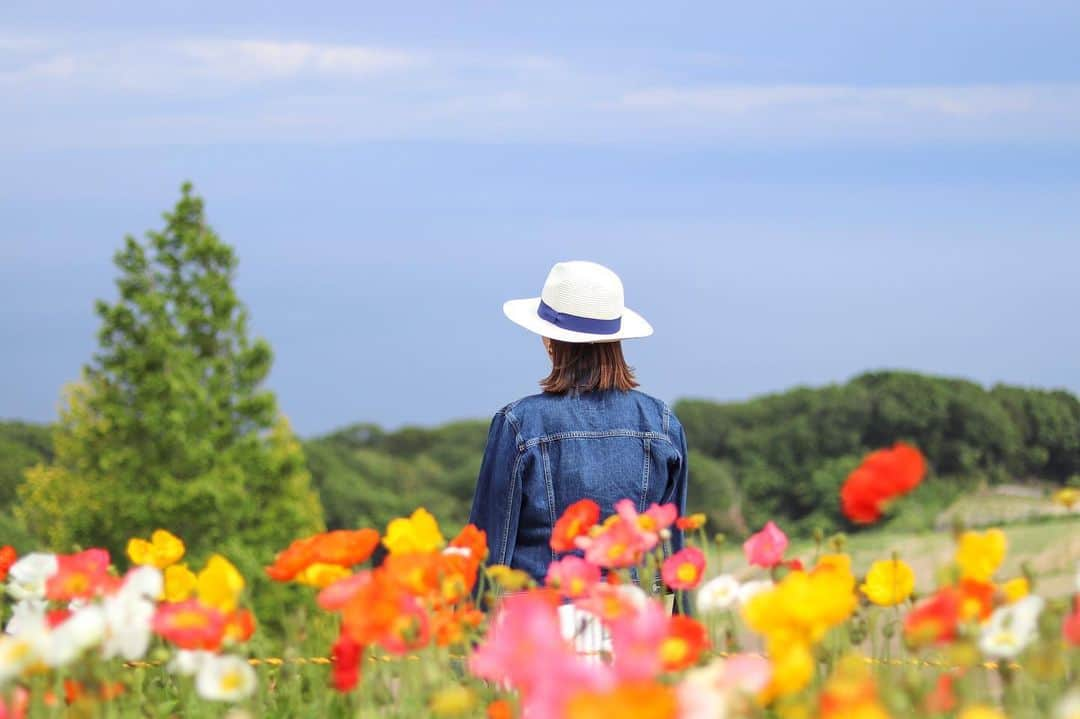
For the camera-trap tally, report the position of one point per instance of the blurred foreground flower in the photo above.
(417, 533)
(163, 549)
(888, 582)
(225, 678)
(767, 547)
(1011, 628)
(979, 554)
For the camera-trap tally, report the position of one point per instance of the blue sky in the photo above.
(792, 192)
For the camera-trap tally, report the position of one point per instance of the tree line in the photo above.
(171, 426)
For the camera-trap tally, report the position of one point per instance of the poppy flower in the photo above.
(883, 475)
(934, 620)
(620, 544)
(190, 625)
(578, 519)
(683, 569)
(79, 576)
(572, 576)
(8, 556)
(163, 549)
(691, 522)
(345, 548)
(647, 524)
(346, 653)
(889, 582)
(1070, 630)
(239, 625)
(767, 547)
(419, 532)
(472, 539)
(685, 642)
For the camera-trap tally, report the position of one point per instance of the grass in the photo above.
(1051, 548)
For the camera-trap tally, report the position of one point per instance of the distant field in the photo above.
(1052, 547)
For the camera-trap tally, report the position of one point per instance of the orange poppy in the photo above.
(578, 519)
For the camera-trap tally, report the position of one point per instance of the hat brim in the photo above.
(524, 313)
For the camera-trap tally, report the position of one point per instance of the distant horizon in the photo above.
(465, 418)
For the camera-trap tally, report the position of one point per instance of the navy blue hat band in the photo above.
(574, 323)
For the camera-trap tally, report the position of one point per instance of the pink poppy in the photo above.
(636, 640)
(572, 576)
(524, 649)
(619, 544)
(650, 523)
(683, 570)
(766, 548)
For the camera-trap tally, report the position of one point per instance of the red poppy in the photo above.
(79, 576)
(690, 522)
(239, 625)
(346, 653)
(934, 620)
(1071, 628)
(883, 476)
(578, 518)
(942, 699)
(7, 558)
(685, 642)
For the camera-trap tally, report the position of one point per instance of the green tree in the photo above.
(170, 425)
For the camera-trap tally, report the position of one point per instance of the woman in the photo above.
(589, 434)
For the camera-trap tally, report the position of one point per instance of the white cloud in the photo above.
(76, 91)
(188, 65)
(255, 59)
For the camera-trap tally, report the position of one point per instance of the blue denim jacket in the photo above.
(547, 451)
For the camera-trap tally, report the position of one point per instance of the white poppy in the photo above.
(144, 581)
(749, 589)
(128, 618)
(79, 632)
(717, 594)
(27, 576)
(1011, 628)
(19, 651)
(225, 678)
(27, 610)
(188, 662)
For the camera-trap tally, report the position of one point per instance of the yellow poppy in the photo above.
(888, 582)
(417, 533)
(979, 554)
(219, 584)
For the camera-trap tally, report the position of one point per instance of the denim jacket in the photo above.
(547, 451)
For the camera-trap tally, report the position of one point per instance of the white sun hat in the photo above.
(580, 302)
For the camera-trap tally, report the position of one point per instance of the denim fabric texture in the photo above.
(547, 451)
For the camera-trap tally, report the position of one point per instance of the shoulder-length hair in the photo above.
(587, 367)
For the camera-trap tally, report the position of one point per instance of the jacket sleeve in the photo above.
(496, 505)
(678, 478)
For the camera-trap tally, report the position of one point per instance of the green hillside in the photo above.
(780, 456)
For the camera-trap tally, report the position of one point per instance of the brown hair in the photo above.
(587, 367)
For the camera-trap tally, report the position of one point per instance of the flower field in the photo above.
(432, 631)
